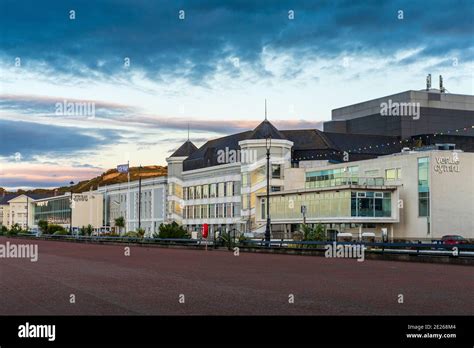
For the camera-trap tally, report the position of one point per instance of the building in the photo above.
(218, 183)
(369, 149)
(431, 116)
(86, 209)
(413, 194)
(121, 200)
(18, 209)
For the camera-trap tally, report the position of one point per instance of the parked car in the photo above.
(452, 239)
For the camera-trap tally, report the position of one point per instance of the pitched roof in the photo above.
(307, 144)
(185, 150)
(8, 197)
(4, 199)
(265, 130)
(207, 155)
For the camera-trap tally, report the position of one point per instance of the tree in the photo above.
(172, 230)
(89, 230)
(120, 223)
(313, 234)
(43, 226)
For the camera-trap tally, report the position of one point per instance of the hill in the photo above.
(110, 177)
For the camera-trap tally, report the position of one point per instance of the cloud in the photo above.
(26, 175)
(30, 139)
(150, 33)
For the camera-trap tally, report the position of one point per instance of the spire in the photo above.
(188, 131)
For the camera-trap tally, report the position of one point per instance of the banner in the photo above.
(122, 168)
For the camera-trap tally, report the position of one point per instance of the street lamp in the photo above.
(268, 145)
(139, 198)
(70, 210)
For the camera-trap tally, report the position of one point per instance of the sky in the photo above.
(87, 85)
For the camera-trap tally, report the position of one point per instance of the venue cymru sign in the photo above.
(446, 165)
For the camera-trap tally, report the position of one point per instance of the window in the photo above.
(205, 191)
(376, 204)
(220, 210)
(191, 192)
(373, 172)
(229, 189)
(390, 174)
(198, 191)
(263, 208)
(221, 189)
(213, 190)
(275, 189)
(393, 174)
(228, 212)
(276, 171)
(423, 187)
(212, 211)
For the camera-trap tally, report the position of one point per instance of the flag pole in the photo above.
(128, 197)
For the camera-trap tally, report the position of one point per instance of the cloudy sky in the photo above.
(148, 69)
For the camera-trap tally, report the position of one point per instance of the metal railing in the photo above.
(420, 248)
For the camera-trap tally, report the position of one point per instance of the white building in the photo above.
(121, 200)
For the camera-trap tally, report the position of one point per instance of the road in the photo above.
(157, 281)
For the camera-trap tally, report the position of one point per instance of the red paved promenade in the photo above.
(150, 281)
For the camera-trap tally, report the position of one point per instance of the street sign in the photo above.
(303, 209)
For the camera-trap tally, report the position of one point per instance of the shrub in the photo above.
(52, 229)
(131, 234)
(43, 226)
(140, 232)
(172, 230)
(14, 230)
(62, 232)
(3, 230)
(120, 222)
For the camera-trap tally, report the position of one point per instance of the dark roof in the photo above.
(185, 150)
(7, 197)
(10, 196)
(307, 144)
(207, 155)
(265, 130)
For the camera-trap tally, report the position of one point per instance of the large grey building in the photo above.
(407, 115)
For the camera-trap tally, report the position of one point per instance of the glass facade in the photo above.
(55, 211)
(371, 204)
(329, 204)
(423, 187)
(333, 177)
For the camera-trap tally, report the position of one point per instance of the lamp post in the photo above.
(70, 210)
(268, 145)
(27, 213)
(139, 198)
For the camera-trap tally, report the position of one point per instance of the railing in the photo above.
(434, 249)
(362, 181)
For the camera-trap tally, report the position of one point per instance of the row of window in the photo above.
(222, 189)
(393, 174)
(210, 211)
